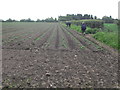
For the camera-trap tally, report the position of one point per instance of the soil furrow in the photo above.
(44, 39)
(25, 42)
(90, 45)
(52, 58)
(57, 39)
(63, 42)
(70, 41)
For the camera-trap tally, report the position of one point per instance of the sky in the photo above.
(34, 9)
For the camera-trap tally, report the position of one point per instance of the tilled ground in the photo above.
(49, 55)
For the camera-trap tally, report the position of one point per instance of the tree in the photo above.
(86, 16)
(22, 20)
(107, 19)
(95, 17)
(55, 19)
(79, 16)
(38, 20)
(9, 20)
(26, 20)
(49, 20)
(110, 16)
(29, 20)
(91, 16)
(62, 18)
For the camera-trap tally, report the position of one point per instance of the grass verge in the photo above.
(109, 38)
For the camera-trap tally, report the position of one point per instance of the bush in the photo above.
(91, 31)
(107, 19)
(77, 28)
(88, 30)
(118, 23)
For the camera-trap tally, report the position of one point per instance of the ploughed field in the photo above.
(47, 55)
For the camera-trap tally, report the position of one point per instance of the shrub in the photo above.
(77, 28)
(118, 23)
(88, 30)
(91, 31)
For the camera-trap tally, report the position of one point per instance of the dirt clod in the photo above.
(60, 58)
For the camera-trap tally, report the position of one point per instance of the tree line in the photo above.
(76, 17)
(68, 17)
(51, 19)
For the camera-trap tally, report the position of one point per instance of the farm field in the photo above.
(44, 55)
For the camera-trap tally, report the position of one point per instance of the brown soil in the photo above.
(59, 58)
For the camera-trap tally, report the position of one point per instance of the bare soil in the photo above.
(48, 55)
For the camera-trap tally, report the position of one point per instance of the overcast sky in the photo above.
(23, 9)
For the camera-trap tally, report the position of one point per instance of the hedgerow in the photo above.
(92, 23)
